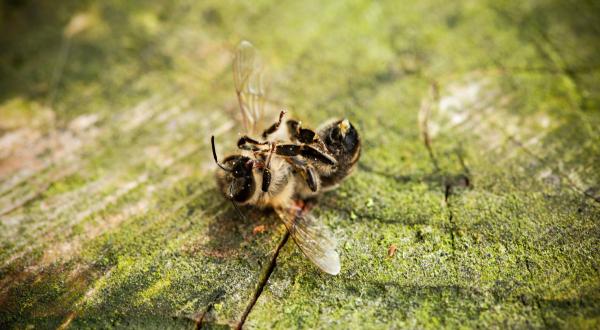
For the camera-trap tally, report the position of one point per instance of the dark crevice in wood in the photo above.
(467, 178)
(448, 182)
(200, 320)
(263, 280)
(464, 180)
(447, 192)
(424, 114)
(448, 185)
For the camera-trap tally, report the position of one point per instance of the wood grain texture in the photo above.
(480, 157)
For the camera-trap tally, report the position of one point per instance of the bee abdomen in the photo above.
(343, 142)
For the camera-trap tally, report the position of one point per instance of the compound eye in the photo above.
(238, 171)
(335, 136)
(350, 140)
(242, 167)
(242, 189)
(331, 136)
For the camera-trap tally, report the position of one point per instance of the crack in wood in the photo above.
(263, 280)
(424, 114)
(200, 320)
(447, 192)
(200, 317)
(447, 182)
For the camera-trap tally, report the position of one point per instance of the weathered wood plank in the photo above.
(480, 165)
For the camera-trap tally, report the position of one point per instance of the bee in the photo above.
(290, 163)
(338, 138)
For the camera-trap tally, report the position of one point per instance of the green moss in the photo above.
(495, 226)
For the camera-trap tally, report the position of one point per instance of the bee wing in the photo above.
(313, 238)
(248, 76)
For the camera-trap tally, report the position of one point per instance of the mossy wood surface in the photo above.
(481, 164)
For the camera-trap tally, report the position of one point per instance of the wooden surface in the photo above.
(480, 166)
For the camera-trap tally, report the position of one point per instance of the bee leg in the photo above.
(308, 172)
(305, 151)
(266, 181)
(273, 127)
(248, 143)
(288, 150)
(300, 134)
(311, 178)
(318, 155)
(294, 129)
(307, 135)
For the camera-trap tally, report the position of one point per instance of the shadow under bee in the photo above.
(231, 234)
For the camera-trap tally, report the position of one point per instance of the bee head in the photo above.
(236, 181)
(341, 137)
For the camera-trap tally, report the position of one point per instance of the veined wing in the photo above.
(312, 237)
(249, 85)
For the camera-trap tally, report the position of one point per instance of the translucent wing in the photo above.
(312, 237)
(249, 85)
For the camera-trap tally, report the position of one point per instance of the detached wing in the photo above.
(249, 85)
(313, 238)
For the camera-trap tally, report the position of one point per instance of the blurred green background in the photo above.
(481, 147)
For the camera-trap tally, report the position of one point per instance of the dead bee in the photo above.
(239, 183)
(266, 173)
(337, 138)
(309, 160)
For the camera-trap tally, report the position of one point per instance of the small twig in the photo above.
(424, 113)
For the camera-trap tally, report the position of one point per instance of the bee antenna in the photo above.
(238, 210)
(212, 142)
(235, 205)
